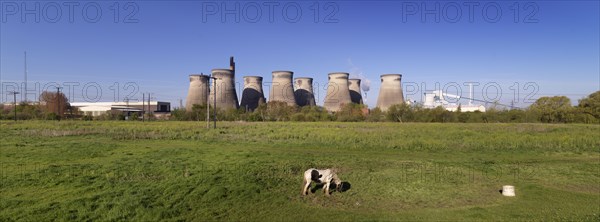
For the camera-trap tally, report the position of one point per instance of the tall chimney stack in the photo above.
(232, 65)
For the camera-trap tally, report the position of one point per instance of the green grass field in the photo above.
(253, 171)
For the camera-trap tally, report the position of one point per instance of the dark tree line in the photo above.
(557, 109)
(51, 106)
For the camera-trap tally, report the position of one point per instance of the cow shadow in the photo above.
(344, 186)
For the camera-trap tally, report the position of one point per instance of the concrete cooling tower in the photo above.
(282, 89)
(355, 94)
(253, 94)
(304, 91)
(198, 92)
(338, 92)
(390, 92)
(225, 91)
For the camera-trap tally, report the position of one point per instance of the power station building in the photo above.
(449, 102)
(222, 87)
(156, 108)
(299, 91)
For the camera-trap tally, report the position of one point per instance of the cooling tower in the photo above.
(355, 94)
(253, 94)
(282, 89)
(338, 92)
(304, 91)
(225, 91)
(198, 92)
(390, 92)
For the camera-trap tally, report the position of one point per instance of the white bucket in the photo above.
(508, 191)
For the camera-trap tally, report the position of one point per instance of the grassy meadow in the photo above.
(102, 170)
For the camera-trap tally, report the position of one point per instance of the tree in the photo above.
(590, 105)
(555, 109)
(351, 112)
(198, 113)
(279, 111)
(54, 102)
(178, 114)
(436, 114)
(376, 115)
(400, 113)
(28, 111)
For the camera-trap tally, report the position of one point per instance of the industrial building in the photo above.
(156, 108)
(222, 87)
(299, 91)
(437, 98)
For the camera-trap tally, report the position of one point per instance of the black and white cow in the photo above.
(326, 176)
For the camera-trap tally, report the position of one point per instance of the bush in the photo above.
(590, 106)
(555, 109)
(375, 115)
(351, 113)
(298, 117)
(51, 116)
(400, 113)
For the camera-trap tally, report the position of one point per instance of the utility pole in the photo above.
(25, 88)
(126, 107)
(214, 101)
(148, 104)
(14, 93)
(58, 102)
(143, 106)
(208, 103)
(470, 94)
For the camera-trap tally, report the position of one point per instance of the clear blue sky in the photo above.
(554, 44)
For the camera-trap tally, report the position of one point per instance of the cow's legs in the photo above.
(305, 186)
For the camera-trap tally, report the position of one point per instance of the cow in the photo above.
(326, 176)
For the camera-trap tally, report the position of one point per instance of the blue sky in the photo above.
(552, 48)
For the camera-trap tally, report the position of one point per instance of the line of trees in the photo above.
(51, 106)
(557, 109)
